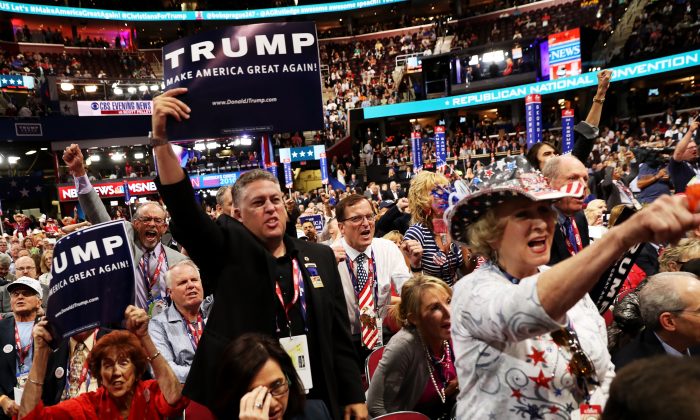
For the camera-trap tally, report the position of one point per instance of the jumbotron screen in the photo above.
(564, 54)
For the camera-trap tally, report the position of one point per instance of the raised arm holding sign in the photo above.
(254, 268)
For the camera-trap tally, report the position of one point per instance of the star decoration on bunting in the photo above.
(24, 192)
(541, 380)
(536, 356)
(38, 188)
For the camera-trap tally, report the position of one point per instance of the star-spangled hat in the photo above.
(504, 179)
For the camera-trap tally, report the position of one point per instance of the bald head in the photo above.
(25, 266)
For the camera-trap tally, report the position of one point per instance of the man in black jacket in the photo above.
(670, 307)
(263, 281)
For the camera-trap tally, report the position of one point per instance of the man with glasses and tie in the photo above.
(368, 268)
(670, 307)
(24, 267)
(16, 341)
(151, 258)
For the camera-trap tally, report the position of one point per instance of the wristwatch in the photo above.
(156, 141)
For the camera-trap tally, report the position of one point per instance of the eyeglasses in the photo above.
(24, 269)
(692, 312)
(22, 292)
(279, 388)
(356, 220)
(156, 220)
(580, 365)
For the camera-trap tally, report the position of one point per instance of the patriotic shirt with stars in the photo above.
(507, 364)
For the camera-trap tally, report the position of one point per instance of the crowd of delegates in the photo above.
(448, 277)
(664, 27)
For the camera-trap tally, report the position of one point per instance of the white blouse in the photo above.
(507, 364)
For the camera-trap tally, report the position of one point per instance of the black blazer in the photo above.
(53, 385)
(239, 270)
(644, 345)
(8, 360)
(559, 250)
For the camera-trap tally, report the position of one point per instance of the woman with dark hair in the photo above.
(117, 361)
(539, 153)
(257, 379)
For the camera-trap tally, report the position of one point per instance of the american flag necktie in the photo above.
(368, 319)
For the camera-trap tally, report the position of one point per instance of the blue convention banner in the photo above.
(245, 79)
(93, 279)
(316, 219)
(533, 119)
(288, 179)
(301, 154)
(169, 16)
(222, 179)
(324, 169)
(440, 147)
(416, 151)
(567, 131)
(626, 72)
(273, 169)
(127, 193)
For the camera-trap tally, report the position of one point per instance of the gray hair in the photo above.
(659, 295)
(168, 275)
(142, 206)
(550, 170)
(248, 178)
(5, 260)
(220, 193)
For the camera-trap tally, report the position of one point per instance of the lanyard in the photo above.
(299, 294)
(577, 238)
(151, 281)
(84, 373)
(371, 278)
(22, 352)
(194, 332)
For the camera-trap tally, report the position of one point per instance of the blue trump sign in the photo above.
(93, 279)
(253, 78)
(316, 219)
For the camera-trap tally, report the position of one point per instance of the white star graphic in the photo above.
(302, 154)
(294, 154)
(38, 188)
(447, 102)
(24, 192)
(13, 183)
(4, 80)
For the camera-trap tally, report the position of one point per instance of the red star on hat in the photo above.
(553, 409)
(541, 380)
(516, 393)
(537, 356)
